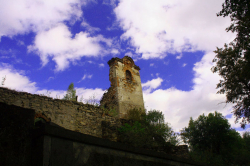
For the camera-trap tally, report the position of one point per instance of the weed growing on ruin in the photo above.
(136, 114)
(91, 101)
(112, 112)
(47, 94)
(3, 80)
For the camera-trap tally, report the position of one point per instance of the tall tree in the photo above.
(71, 93)
(233, 61)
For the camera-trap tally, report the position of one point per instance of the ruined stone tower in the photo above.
(125, 91)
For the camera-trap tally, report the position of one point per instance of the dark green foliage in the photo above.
(71, 93)
(155, 117)
(233, 61)
(246, 138)
(211, 140)
(207, 132)
(147, 130)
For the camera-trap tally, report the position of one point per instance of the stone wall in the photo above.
(71, 115)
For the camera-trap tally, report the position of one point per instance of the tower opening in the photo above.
(128, 76)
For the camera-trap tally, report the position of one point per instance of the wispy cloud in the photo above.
(89, 28)
(166, 63)
(101, 65)
(86, 76)
(50, 78)
(179, 56)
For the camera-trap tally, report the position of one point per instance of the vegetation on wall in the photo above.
(3, 81)
(212, 140)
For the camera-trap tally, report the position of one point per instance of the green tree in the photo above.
(211, 140)
(147, 130)
(71, 93)
(233, 61)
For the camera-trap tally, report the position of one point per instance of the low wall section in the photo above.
(56, 146)
(75, 116)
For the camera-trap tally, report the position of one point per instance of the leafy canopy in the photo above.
(212, 141)
(207, 132)
(147, 130)
(233, 61)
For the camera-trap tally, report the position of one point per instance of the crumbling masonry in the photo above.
(125, 91)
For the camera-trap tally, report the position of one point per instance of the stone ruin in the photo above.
(125, 91)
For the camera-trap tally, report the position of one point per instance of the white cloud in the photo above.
(151, 64)
(243, 131)
(59, 44)
(232, 122)
(178, 106)
(82, 93)
(56, 94)
(23, 16)
(172, 26)
(153, 84)
(184, 64)
(114, 51)
(89, 94)
(16, 79)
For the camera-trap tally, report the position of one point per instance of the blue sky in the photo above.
(47, 44)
